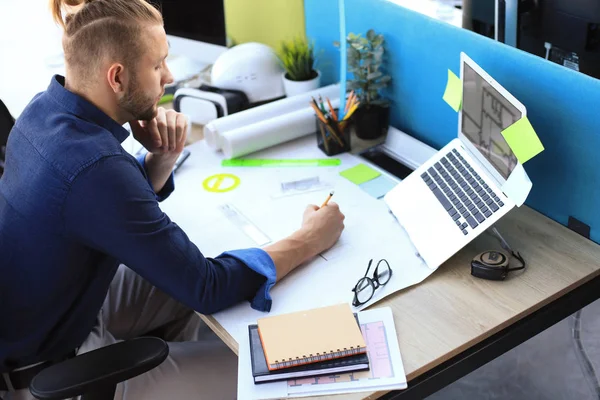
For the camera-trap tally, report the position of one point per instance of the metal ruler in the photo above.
(298, 162)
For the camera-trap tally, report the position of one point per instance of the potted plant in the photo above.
(365, 60)
(298, 61)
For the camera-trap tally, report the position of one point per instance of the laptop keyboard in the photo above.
(461, 191)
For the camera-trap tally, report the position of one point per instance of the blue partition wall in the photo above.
(562, 105)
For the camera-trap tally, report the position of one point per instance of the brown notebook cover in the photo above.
(310, 336)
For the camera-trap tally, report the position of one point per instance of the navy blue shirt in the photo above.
(73, 205)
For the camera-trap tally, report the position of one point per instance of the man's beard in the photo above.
(136, 103)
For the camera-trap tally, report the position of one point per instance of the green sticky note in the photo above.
(523, 140)
(360, 173)
(453, 93)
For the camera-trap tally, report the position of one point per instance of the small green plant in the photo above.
(365, 59)
(297, 57)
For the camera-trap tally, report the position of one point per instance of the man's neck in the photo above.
(97, 98)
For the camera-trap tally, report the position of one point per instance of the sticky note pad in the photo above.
(523, 140)
(453, 93)
(360, 173)
(379, 186)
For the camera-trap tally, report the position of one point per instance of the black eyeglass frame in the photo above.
(373, 282)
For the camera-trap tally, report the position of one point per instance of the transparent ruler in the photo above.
(236, 217)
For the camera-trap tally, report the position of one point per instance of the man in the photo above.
(74, 206)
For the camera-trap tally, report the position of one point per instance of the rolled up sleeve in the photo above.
(260, 262)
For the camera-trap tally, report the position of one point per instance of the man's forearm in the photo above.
(159, 169)
(292, 251)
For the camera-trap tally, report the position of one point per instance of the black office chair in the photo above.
(95, 375)
(6, 124)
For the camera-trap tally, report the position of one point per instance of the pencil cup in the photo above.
(333, 137)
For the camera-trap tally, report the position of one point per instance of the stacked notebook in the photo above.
(320, 341)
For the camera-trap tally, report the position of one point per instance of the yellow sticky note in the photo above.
(453, 93)
(523, 140)
(360, 174)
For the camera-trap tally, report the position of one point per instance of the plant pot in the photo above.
(371, 122)
(293, 88)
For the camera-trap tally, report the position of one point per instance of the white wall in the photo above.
(29, 47)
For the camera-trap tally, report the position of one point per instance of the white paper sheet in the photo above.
(268, 133)
(371, 231)
(215, 129)
(386, 370)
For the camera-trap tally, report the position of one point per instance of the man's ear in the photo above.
(117, 78)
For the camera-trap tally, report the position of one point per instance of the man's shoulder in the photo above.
(65, 142)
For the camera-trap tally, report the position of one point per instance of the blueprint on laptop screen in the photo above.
(486, 113)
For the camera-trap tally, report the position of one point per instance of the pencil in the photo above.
(348, 101)
(318, 112)
(322, 106)
(354, 99)
(327, 199)
(354, 107)
(343, 124)
(331, 109)
(315, 102)
(331, 127)
(325, 140)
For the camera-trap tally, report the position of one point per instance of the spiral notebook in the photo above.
(310, 336)
(261, 373)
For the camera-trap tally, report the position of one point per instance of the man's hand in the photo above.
(164, 135)
(323, 226)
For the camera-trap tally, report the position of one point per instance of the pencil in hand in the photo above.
(327, 199)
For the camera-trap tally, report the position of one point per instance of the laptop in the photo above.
(471, 182)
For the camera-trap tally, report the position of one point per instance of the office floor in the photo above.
(545, 367)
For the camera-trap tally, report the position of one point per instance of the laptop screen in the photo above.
(485, 114)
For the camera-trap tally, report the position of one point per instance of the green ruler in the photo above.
(298, 162)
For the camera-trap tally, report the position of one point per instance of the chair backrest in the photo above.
(6, 124)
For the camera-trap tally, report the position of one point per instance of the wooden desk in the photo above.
(451, 311)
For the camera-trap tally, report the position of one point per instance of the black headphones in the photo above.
(494, 265)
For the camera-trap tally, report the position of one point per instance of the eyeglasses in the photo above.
(365, 287)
